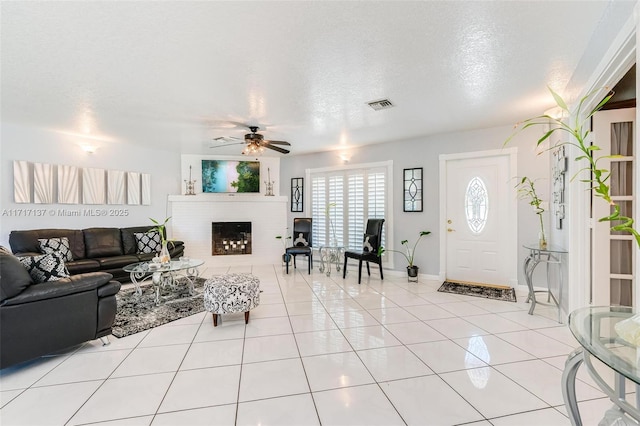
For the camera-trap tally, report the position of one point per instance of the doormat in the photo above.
(487, 291)
(140, 313)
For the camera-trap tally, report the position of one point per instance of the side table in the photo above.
(329, 254)
(550, 255)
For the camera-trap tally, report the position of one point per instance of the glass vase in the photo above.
(542, 239)
(164, 256)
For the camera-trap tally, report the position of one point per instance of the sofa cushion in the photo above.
(116, 261)
(57, 245)
(27, 241)
(14, 278)
(45, 267)
(129, 243)
(102, 242)
(81, 266)
(148, 242)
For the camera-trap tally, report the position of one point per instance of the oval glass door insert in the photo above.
(476, 205)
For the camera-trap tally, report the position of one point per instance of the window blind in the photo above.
(348, 197)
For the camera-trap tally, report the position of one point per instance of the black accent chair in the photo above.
(302, 241)
(369, 252)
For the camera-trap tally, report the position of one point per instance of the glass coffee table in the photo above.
(164, 275)
(594, 328)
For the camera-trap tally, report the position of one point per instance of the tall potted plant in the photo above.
(409, 254)
(527, 190)
(578, 136)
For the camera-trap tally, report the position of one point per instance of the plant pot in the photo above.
(286, 257)
(412, 273)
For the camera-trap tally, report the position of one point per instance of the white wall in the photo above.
(47, 146)
(424, 152)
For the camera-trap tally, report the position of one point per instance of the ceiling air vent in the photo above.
(380, 104)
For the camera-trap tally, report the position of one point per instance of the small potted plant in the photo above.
(286, 257)
(409, 253)
(164, 255)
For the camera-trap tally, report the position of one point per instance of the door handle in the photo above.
(450, 230)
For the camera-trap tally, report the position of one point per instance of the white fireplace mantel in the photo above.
(231, 198)
(192, 216)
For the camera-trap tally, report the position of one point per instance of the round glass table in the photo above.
(594, 328)
(164, 275)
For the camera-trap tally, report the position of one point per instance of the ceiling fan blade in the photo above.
(278, 142)
(227, 144)
(276, 148)
(224, 138)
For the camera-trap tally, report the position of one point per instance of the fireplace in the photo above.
(230, 238)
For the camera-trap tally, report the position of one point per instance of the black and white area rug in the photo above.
(139, 313)
(507, 294)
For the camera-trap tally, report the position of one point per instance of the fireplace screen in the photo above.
(230, 238)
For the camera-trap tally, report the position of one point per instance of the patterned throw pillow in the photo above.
(56, 245)
(148, 242)
(46, 267)
(301, 241)
(370, 243)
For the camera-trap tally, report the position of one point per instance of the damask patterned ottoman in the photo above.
(231, 293)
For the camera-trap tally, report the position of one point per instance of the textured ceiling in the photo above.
(173, 74)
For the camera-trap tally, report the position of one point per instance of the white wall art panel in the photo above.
(43, 183)
(68, 187)
(133, 188)
(93, 186)
(21, 182)
(146, 189)
(116, 187)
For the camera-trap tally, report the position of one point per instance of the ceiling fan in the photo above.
(255, 142)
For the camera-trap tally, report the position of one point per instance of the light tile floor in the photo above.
(318, 350)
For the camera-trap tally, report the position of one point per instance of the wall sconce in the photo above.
(345, 157)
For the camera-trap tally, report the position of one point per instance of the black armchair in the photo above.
(369, 252)
(39, 319)
(302, 241)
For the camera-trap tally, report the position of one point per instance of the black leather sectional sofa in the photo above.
(40, 319)
(94, 249)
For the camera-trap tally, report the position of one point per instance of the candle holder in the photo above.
(190, 185)
(269, 183)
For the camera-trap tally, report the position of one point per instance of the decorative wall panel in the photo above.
(146, 189)
(21, 182)
(68, 187)
(116, 187)
(93, 186)
(133, 188)
(297, 194)
(43, 183)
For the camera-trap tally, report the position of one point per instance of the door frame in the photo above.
(512, 223)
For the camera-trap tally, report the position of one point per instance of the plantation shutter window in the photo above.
(348, 197)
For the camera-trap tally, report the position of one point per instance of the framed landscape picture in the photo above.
(230, 176)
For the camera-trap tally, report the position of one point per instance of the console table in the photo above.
(550, 255)
(593, 327)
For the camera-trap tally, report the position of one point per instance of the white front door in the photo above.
(480, 220)
(612, 253)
